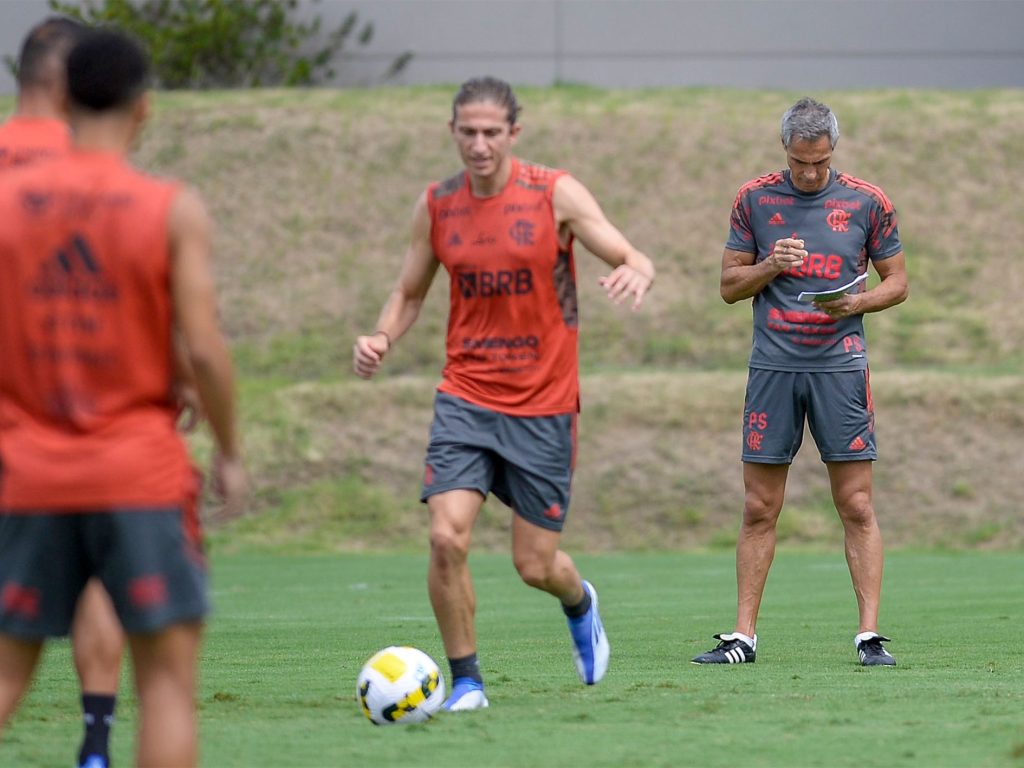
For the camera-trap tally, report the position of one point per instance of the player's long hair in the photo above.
(488, 89)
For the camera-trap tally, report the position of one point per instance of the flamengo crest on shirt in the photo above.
(522, 232)
(838, 220)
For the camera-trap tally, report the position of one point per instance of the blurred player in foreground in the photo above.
(809, 229)
(36, 131)
(101, 263)
(505, 411)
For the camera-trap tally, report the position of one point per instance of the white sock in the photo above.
(751, 641)
(860, 638)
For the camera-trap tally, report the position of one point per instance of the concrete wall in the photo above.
(740, 43)
(793, 44)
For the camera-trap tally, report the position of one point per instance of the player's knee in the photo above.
(447, 547)
(109, 650)
(101, 655)
(533, 571)
(97, 647)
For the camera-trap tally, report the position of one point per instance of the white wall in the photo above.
(794, 44)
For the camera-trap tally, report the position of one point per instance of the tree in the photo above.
(199, 44)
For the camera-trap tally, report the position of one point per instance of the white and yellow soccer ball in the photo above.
(400, 685)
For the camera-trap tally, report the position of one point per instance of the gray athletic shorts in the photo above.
(836, 404)
(149, 561)
(526, 461)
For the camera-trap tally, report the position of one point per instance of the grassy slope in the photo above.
(290, 634)
(338, 465)
(312, 191)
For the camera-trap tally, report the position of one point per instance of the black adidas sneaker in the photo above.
(731, 650)
(871, 652)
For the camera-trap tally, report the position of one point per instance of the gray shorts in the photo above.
(526, 461)
(836, 404)
(149, 561)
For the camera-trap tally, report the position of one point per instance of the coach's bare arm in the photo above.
(892, 290)
(742, 278)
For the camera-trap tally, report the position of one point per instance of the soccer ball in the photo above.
(400, 685)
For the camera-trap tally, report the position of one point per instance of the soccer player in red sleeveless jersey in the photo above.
(103, 266)
(505, 411)
(36, 131)
(809, 229)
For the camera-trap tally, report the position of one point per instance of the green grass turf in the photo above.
(290, 633)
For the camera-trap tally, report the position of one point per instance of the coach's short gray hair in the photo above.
(808, 120)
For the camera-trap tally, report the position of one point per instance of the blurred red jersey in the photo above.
(87, 416)
(24, 140)
(512, 326)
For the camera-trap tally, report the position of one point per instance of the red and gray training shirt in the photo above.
(842, 226)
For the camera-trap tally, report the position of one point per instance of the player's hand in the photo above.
(230, 483)
(368, 353)
(625, 281)
(190, 409)
(788, 253)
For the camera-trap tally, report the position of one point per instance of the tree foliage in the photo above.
(200, 44)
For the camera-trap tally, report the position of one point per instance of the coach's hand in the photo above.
(844, 306)
(788, 253)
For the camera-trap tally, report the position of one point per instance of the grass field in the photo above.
(290, 634)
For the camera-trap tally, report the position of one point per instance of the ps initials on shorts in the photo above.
(837, 406)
